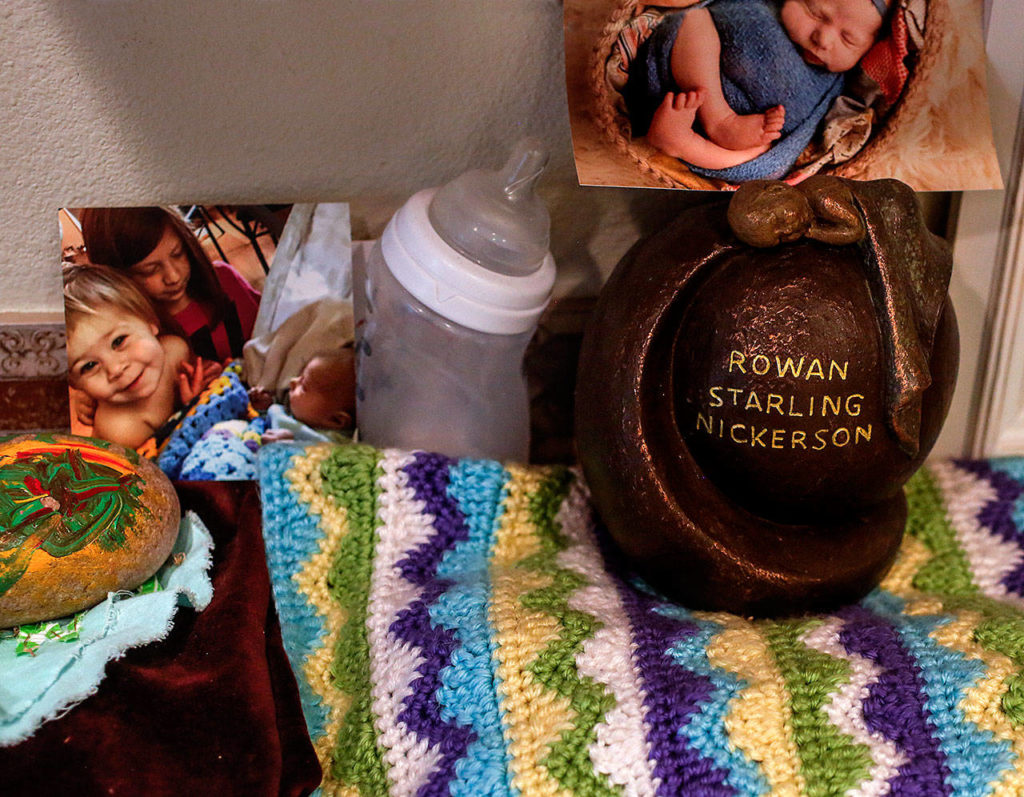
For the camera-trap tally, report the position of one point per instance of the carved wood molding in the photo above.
(33, 377)
(32, 351)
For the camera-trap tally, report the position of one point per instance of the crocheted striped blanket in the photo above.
(459, 627)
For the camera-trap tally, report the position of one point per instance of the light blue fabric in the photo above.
(59, 674)
(292, 536)
(278, 417)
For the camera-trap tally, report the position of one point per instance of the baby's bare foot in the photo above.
(672, 124)
(683, 105)
(734, 131)
(774, 119)
(672, 132)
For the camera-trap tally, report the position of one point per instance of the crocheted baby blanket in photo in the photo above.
(215, 438)
(458, 627)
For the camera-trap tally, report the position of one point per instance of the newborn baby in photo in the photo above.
(320, 404)
(756, 77)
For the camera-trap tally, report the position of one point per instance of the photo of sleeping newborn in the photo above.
(196, 335)
(708, 94)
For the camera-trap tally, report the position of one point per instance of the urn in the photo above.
(756, 385)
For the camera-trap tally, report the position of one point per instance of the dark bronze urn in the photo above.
(758, 382)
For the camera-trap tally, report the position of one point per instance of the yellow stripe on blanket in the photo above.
(535, 716)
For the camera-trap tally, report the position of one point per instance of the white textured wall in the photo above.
(161, 101)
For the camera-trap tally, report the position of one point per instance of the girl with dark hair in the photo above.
(207, 302)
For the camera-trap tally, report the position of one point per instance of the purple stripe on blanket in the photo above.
(673, 695)
(997, 514)
(895, 705)
(428, 476)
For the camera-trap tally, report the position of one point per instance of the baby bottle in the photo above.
(449, 299)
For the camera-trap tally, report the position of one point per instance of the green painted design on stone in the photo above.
(59, 503)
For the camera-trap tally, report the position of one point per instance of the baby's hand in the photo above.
(193, 378)
(85, 408)
(211, 370)
(260, 398)
(274, 435)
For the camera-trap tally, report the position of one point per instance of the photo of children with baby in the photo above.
(708, 94)
(167, 350)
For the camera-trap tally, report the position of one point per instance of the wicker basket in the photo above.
(911, 101)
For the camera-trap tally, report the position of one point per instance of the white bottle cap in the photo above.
(452, 285)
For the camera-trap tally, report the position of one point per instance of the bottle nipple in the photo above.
(495, 218)
(523, 169)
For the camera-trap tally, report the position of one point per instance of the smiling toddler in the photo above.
(118, 358)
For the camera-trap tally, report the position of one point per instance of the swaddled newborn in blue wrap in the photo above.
(757, 76)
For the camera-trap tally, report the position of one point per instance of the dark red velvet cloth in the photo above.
(212, 709)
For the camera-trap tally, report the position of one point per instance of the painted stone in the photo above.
(79, 518)
(758, 382)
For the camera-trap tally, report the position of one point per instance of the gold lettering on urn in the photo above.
(780, 439)
(749, 400)
(814, 369)
(761, 365)
(788, 367)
